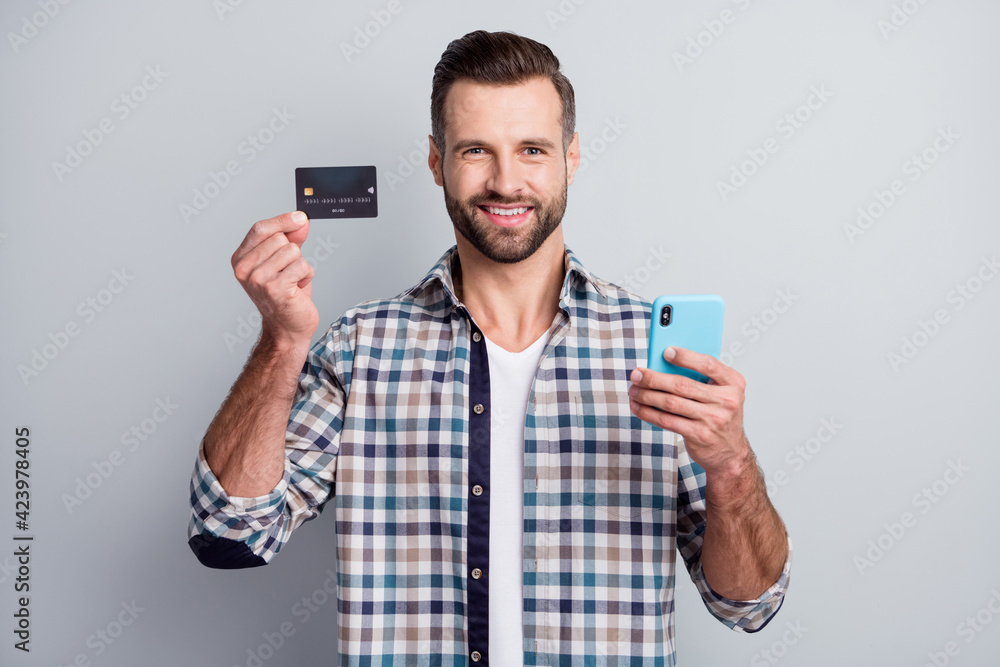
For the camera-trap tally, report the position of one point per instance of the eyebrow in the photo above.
(531, 141)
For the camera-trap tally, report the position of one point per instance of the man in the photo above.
(510, 487)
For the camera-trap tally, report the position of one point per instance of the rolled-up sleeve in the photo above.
(235, 532)
(740, 615)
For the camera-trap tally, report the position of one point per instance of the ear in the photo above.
(434, 161)
(572, 158)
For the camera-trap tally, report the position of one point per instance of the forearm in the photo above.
(745, 543)
(245, 442)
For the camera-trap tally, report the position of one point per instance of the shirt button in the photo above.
(478, 408)
(477, 573)
(476, 336)
(477, 490)
(476, 656)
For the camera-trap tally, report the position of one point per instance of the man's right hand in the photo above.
(270, 267)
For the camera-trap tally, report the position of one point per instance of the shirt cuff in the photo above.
(745, 615)
(214, 512)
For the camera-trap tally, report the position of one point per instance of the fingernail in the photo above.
(637, 375)
(632, 391)
(669, 353)
(298, 216)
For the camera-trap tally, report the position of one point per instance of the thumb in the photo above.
(298, 236)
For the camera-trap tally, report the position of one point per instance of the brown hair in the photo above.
(497, 59)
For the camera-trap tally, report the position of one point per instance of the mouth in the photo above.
(506, 216)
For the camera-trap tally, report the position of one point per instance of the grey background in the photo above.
(680, 131)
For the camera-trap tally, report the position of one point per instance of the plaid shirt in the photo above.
(393, 411)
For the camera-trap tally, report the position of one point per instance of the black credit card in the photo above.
(336, 192)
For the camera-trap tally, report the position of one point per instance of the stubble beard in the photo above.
(505, 245)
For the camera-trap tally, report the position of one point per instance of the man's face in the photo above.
(504, 172)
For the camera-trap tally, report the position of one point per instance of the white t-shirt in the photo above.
(511, 374)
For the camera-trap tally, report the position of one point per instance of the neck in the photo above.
(513, 304)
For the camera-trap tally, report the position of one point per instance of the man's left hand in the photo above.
(708, 415)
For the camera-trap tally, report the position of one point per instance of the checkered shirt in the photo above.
(393, 413)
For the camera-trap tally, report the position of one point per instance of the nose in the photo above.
(506, 176)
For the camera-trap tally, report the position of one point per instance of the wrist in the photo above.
(282, 345)
(737, 486)
(280, 361)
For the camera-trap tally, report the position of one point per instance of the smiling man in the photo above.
(509, 486)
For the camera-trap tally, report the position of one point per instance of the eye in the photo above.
(534, 151)
(474, 151)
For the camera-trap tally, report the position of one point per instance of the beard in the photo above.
(505, 245)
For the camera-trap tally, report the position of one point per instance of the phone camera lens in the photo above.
(666, 315)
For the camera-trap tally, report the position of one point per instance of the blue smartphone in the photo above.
(691, 321)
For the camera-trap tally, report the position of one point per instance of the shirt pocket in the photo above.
(616, 468)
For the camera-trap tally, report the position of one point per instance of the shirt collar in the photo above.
(443, 273)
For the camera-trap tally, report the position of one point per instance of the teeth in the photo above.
(507, 211)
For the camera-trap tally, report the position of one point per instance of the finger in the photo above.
(673, 384)
(666, 402)
(300, 271)
(262, 229)
(258, 255)
(705, 364)
(665, 420)
(269, 272)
